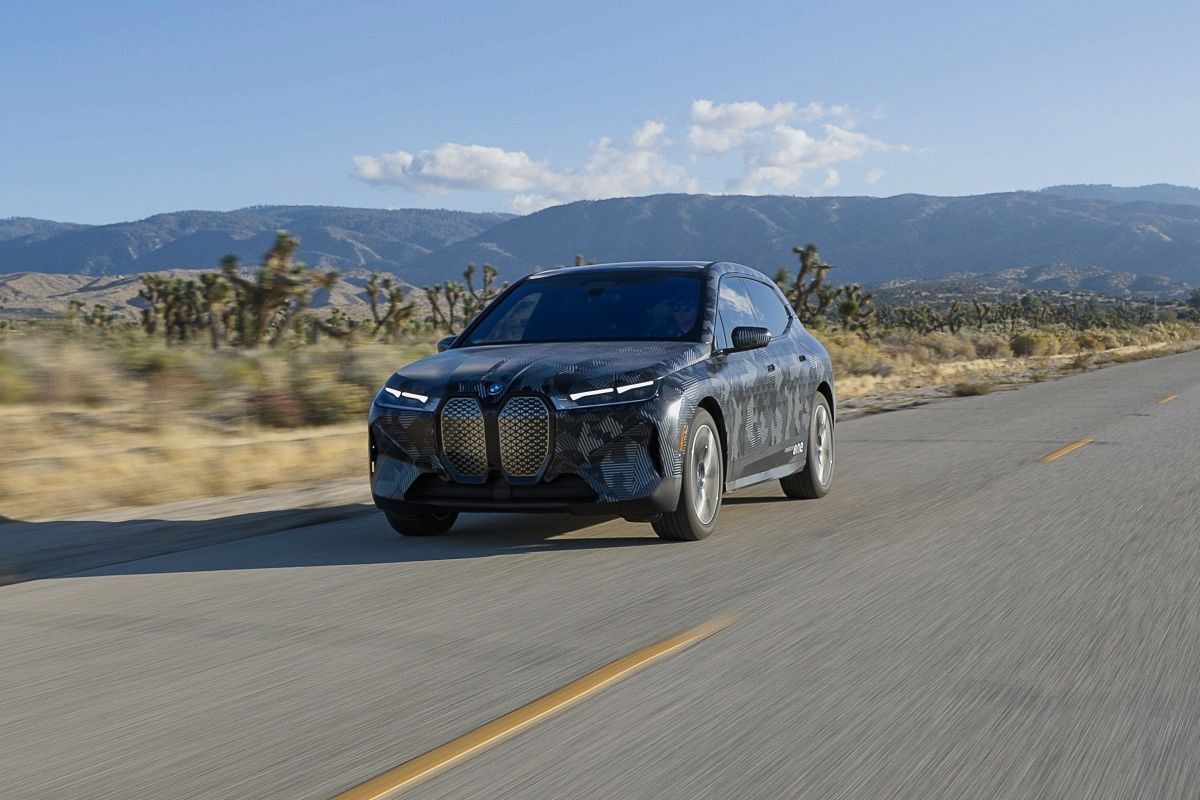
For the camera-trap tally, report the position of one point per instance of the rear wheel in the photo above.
(420, 523)
(814, 480)
(695, 517)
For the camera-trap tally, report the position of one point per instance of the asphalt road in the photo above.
(957, 619)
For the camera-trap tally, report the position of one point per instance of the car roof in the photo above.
(681, 266)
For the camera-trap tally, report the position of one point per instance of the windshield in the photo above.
(629, 305)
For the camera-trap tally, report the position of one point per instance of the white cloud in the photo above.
(784, 158)
(739, 116)
(777, 154)
(453, 166)
(721, 127)
(612, 170)
(874, 176)
(649, 136)
(815, 111)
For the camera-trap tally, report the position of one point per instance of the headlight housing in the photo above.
(637, 392)
(393, 396)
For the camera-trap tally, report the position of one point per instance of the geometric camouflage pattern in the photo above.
(623, 451)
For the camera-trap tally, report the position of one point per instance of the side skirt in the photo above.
(762, 477)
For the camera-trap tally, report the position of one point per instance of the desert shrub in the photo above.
(1064, 342)
(276, 408)
(1089, 340)
(143, 358)
(337, 402)
(925, 348)
(989, 345)
(971, 389)
(851, 355)
(947, 346)
(1032, 343)
(238, 371)
(15, 385)
(178, 389)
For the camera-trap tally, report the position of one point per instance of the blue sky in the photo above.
(115, 111)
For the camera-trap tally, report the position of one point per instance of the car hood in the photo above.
(553, 368)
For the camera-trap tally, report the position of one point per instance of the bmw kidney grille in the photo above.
(524, 427)
(463, 439)
(523, 433)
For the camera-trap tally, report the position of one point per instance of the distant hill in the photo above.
(330, 237)
(32, 229)
(1053, 279)
(40, 294)
(870, 240)
(1154, 193)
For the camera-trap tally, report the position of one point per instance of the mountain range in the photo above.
(1127, 231)
(1154, 193)
(330, 237)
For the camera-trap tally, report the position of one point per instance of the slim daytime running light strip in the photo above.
(619, 390)
(420, 398)
(591, 393)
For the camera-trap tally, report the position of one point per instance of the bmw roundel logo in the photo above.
(494, 388)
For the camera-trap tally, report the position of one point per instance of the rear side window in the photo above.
(770, 308)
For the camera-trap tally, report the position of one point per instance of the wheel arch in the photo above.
(710, 404)
(827, 390)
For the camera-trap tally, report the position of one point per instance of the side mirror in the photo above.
(746, 337)
(444, 344)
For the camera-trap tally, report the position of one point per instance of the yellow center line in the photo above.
(1166, 400)
(1062, 451)
(400, 778)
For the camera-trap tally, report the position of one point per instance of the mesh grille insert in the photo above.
(524, 428)
(463, 439)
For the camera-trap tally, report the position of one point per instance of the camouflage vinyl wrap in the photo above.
(624, 451)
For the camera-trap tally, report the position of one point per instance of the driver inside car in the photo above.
(674, 317)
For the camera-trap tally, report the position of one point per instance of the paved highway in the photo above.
(961, 617)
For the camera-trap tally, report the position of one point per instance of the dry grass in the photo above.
(88, 424)
(71, 460)
(897, 362)
(92, 423)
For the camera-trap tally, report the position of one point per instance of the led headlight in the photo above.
(392, 397)
(624, 393)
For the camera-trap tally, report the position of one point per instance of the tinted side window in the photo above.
(770, 308)
(735, 309)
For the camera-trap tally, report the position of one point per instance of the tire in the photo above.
(420, 523)
(815, 479)
(695, 517)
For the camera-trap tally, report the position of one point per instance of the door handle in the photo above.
(770, 367)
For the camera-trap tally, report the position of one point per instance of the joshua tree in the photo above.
(856, 310)
(215, 291)
(389, 319)
(983, 313)
(475, 301)
(808, 293)
(281, 289)
(452, 303)
(954, 318)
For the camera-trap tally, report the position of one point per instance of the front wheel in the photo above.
(814, 480)
(695, 516)
(420, 523)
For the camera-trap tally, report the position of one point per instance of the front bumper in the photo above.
(616, 459)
